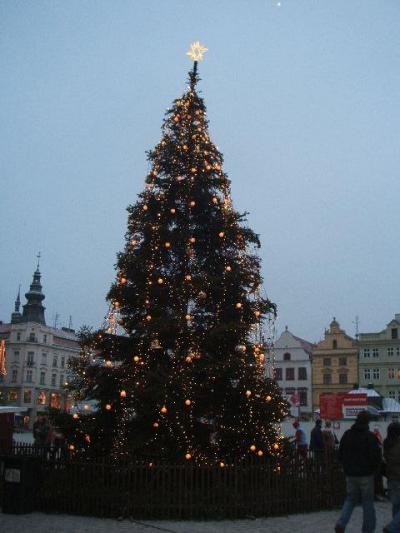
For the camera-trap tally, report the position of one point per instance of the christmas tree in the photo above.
(187, 379)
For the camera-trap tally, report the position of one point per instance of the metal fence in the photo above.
(140, 490)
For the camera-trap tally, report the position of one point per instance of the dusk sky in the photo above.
(303, 101)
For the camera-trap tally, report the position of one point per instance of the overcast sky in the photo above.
(303, 101)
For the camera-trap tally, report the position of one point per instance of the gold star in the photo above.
(196, 51)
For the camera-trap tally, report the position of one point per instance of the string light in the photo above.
(221, 234)
(163, 409)
(123, 394)
(108, 407)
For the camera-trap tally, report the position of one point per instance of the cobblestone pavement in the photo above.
(322, 522)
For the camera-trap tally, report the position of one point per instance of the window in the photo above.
(12, 396)
(375, 352)
(53, 380)
(278, 374)
(302, 394)
(395, 333)
(286, 356)
(27, 396)
(16, 357)
(290, 374)
(62, 362)
(14, 376)
(367, 374)
(302, 373)
(55, 362)
(29, 376)
(342, 361)
(376, 372)
(42, 378)
(334, 344)
(398, 350)
(327, 361)
(44, 339)
(44, 358)
(390, 351)
(391, 373)
(18, 335)
(327, 379)
(392, 394)
(32, 337)
(366, 352)
(343, 379)
(30, 359)
(41, 400)
(62, 380)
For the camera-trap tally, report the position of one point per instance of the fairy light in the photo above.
(186, 148)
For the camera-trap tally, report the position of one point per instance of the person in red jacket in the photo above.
(361, 457)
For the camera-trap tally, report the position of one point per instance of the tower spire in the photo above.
(34, 309)
(16, 315)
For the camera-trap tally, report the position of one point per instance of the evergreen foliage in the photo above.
(187, 380)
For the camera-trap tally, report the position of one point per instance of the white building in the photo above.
(37, 356)
(293, 370)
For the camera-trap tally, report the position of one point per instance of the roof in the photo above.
(307, 346)
(371, 393)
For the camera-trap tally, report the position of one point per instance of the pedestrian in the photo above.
(316, 439)
(330, 439)
(360, 456)
(36, 430)
(300, 439)
(391, 453)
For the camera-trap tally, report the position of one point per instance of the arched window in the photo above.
(334, 344)
(286, 356)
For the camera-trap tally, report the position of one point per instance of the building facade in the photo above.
(293, 370)
(379, 360)
(334, 363)
(37, 356)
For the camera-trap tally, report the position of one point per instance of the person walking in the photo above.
(391, 453)
(360, 455)
(300, 439)
(316, 438)
(330, 439)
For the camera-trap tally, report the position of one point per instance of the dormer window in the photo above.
(395, 333)
(286, 356)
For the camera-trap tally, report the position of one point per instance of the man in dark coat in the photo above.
(316, 439)
(360, 455)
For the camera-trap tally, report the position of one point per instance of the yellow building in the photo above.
(334, 363)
